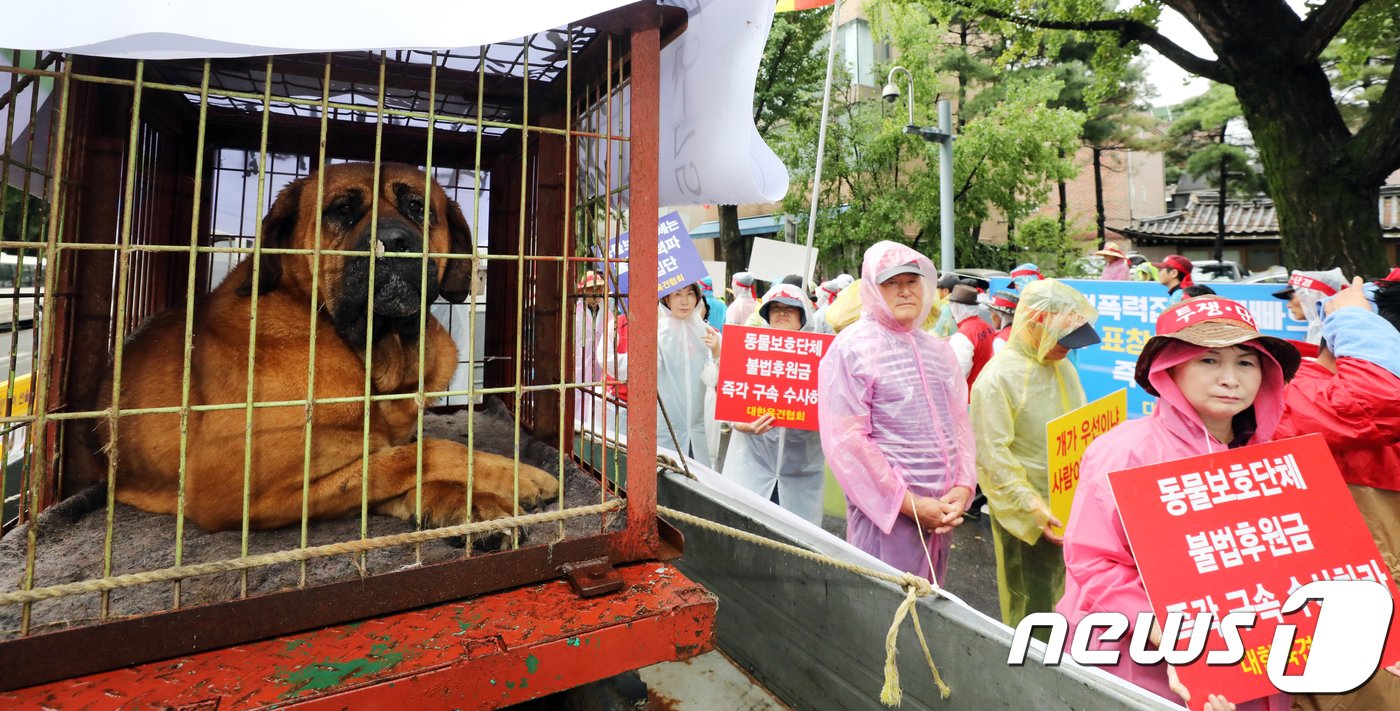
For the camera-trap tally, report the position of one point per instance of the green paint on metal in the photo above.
(572, 641)
(510, 685)
(531, 664)
(524, 682)
(462, 625)
(328, 674)
(295, 643)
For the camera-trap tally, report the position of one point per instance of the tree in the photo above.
(789, 81)
(879, 182)
(1325, 164)
(1200, 135)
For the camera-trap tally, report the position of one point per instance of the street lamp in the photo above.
(944, 136)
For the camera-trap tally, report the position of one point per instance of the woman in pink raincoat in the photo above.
(1219, 384)
(894, 421)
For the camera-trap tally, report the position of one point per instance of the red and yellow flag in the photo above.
(791, 5)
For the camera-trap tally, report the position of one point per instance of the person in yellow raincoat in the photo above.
(1024, 386)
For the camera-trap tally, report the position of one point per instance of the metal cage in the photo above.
(137, 184)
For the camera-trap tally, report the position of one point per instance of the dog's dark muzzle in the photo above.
(398, 270)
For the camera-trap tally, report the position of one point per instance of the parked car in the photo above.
(1210, 270)
(1275, 275)
(979, 278)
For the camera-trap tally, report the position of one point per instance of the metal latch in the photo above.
(591, 578)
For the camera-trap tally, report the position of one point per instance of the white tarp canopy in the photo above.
(710, 151)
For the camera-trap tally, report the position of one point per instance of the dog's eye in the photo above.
(414, 208)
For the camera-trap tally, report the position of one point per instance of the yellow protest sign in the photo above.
(1068, 436)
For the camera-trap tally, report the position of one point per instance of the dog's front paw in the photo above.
(537, 486)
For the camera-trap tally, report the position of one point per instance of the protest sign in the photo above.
(767, 371)
(719, 274)
(678, 264)
(1238, 531)
(1068, 436)
(1128, 312)
(772, 260)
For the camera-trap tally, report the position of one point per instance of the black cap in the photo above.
(1284, 293)
(948, 281)
(1080, 337)
(786, 301)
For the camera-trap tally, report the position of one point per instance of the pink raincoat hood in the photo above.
(879, 257)
(1175, 414)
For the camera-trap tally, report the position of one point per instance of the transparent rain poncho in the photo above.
(788, 459)
(745, 300)
(894, 420)
(1309, 299)
(1017, 393)
(685, 372)
(589, 329)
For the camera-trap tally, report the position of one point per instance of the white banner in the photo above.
(711, 152)
(772, 260)
(719, 274)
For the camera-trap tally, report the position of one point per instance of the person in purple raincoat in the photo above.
(894, 420)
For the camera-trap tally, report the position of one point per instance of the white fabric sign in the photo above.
(772, 260)
(710, 151)
(719, 274)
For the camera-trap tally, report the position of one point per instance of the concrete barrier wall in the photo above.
(814, 635)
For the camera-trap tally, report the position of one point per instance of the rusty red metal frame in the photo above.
(47, 657)
(485, 653)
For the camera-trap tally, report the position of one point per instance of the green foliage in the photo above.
(791, 73)
(1198, 142)
(1361, 57)
(1040, 240)
(21, 225)
(879, 182)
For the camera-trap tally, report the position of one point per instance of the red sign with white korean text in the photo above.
(1238, 531)
(766, 371)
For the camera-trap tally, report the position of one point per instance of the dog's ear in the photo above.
(277, 230)
(457, 277)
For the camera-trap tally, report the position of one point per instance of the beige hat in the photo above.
(1111, 249)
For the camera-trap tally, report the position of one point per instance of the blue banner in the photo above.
(1128, 312)
(678, 262)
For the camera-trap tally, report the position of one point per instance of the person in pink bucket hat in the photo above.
(1115, 266)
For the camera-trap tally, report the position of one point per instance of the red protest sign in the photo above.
(1238, 531)
(765, 371)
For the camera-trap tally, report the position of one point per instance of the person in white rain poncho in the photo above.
(687, 356)
(590, 326)
(745, 298)
(1305, 290)
(762, 457)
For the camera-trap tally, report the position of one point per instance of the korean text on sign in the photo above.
(764, 371)
(1238, 531)
(678, 264)
(1068, 436)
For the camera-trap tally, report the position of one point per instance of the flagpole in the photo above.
(821, 142)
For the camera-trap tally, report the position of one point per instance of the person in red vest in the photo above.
(972, 343)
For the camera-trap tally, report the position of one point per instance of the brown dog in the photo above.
(147, 447)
